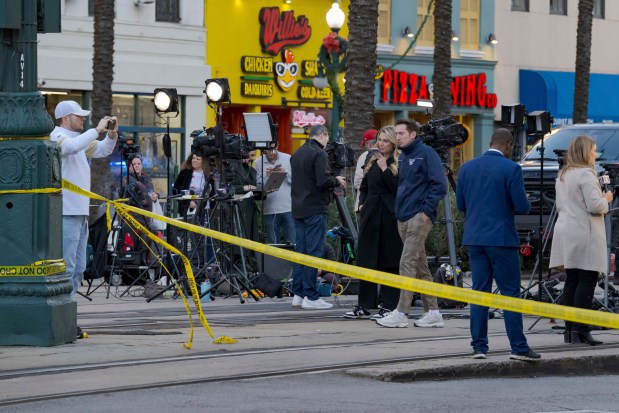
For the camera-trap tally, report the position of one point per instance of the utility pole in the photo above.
(35, 308)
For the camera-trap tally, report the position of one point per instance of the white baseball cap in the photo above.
(69, 107)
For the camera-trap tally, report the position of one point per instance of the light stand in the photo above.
(539, 123)
(262, 133)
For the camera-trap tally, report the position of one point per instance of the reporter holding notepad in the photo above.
(277, 207)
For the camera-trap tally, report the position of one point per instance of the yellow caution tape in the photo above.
(39, 268)
(32, 191)
(519, 305)
(123, 211)
(24, 138)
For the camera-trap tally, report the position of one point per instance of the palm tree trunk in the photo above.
(583, 61)
(442, 59)
(361, 72)
(102, 77)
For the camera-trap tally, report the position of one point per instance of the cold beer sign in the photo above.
(405, 88)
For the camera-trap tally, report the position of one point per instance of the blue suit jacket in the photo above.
(490, 190)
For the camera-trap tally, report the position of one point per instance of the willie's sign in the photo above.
(279, 30)
(404, 88)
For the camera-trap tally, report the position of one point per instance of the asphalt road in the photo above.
(338, 392)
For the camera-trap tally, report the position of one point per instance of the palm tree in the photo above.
(442, 58)
(361, 72)
(583, 61)
(102, 77)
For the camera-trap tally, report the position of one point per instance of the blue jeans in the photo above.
(74, 241)
(503, 265)
(310, 240)
(275, 223)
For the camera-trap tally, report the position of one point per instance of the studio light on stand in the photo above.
(539, 123)
(513, 117)
(217, 93)
(166, 103)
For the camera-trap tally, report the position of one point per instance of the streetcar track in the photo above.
(331, 367)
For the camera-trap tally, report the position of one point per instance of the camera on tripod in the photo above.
(340, 156)
(560, 156)
(127, 147)
(442, 134)
(214, 142)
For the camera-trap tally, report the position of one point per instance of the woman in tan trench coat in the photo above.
(579, 240)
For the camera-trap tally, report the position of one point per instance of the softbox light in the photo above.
(260, 129)
(539, 122)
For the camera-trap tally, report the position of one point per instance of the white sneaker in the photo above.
(394, 319)
(297, 300)
(430, 320)
(318, 304)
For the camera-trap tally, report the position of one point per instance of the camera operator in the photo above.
(311, 185)
(579, 239)
(490, 191)
(75, 147)
(421, 186)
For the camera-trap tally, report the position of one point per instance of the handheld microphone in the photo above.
(604, 181)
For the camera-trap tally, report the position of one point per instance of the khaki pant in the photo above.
(414, 262)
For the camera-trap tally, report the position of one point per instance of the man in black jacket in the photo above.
(311, 184)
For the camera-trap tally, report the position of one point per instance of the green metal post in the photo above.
(332, 56)
(34, 309)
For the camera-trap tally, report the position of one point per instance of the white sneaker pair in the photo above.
(297, 300)
(318, 304)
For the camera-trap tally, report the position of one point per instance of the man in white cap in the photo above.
(75, 147)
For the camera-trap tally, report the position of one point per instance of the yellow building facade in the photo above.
(267, 49)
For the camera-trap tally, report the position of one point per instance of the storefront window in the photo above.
(384, 19)
(426, 37)
(469, 24)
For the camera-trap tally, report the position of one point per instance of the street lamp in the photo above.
(332, 59)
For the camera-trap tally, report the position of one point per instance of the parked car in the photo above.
(607, 141)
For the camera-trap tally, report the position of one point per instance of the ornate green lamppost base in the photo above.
(35, 308)
(36, 311)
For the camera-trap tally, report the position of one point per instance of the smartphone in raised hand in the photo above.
(111, 124)
(374, 152)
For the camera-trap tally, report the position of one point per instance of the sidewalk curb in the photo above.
(581, 365)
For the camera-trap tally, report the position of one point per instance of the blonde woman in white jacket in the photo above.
(579, 239)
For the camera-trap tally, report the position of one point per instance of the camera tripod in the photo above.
(229, 221)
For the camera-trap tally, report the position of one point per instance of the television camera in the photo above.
(443, 134)
(127, 147)
(340, 157)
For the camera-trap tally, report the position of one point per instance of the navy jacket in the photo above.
(490, 190)
(422, 183)
(311, 180)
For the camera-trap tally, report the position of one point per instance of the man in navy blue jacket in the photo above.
(490, 190)
(421, 185)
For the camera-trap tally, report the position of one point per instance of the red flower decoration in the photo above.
(331, 42)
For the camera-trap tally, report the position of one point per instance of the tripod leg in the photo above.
(453, 261)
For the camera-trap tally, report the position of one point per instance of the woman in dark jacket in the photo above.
(380, 245)
(193, 176)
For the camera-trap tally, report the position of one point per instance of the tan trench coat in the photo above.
(579, 239)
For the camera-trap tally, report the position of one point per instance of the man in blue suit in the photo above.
(490, 190)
